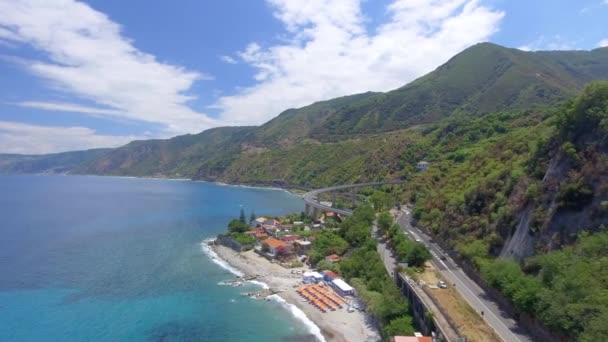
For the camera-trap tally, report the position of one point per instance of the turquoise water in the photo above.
(116, 259)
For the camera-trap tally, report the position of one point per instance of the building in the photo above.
(276, 246)
(290, 238)
(312, 277)
(329, 275)
(258, 221)
(261, 236)
(334, 258)
(302, 246)
(271, 222)
(417, 338)
(421, 166)
(342, 287)
(254, 231)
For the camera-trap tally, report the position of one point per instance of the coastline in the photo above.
(288, 189)
(333, 326)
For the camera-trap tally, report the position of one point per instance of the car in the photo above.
(442, 284)
(442, 257)
(417, 240)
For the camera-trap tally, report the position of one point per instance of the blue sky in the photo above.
(79, 75)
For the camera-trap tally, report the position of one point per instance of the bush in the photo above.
(236, 226)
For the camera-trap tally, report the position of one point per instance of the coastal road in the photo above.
(310, 197)
(505, 326)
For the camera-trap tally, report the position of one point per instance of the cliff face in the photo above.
(573, 193)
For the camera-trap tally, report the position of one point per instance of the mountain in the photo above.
(483, 78)
(209, 152)
(49, 163)
(308, 145)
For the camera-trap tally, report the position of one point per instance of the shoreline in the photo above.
(289, 190)
(333, 326)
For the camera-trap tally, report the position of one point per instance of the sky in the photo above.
(100, 73)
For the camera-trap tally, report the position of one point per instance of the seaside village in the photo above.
(287, 242)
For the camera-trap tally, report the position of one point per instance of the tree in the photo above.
(380, 200)
(418, 255)
(326, 265)
(401, 326)
(384, 221)
(236, 226)
(252, 216)
(242, 216)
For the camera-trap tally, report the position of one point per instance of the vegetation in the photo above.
(327, 243)
(237, 226)
(566, 289)
(366, 272)
(244, 239)
(337, 141)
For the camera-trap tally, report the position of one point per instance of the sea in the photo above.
(88, 258)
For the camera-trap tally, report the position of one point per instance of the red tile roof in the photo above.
(330, 275)
(333, 258)
(272, 242)
(290, 238)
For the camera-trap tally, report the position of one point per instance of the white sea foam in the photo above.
(301, 316)
(294, 310)
(216, 259)
(260, 284)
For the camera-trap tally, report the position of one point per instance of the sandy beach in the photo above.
(338, 325)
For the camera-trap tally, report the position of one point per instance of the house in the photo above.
(342, 287)
(333, 216)
(312, 277)
(290, 238)
(254, 231)
(334, 258)
(302, 246)
(276, 246)
(415, 338)
(271, 222)
(261, 219)
(421, 166)
(258, 221)
(329, 275)
(261, 236)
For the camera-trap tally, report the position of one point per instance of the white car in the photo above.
(442, 284)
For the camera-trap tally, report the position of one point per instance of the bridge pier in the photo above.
(311, 211)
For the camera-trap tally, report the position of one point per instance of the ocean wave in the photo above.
(260, 284)
(216, 259)
(294, 310)
(225, 265)
(301, 316)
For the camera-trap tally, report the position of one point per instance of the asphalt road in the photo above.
(504, 325)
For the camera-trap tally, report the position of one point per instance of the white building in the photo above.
(342, 287)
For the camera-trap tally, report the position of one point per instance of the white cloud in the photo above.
(70, 107)
(87, 56)
(556, 42)
(329, 52)
(228, 59)
(32, 139)
(603, 42)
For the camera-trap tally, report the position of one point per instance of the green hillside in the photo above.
(484, 78)
(346, 139)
